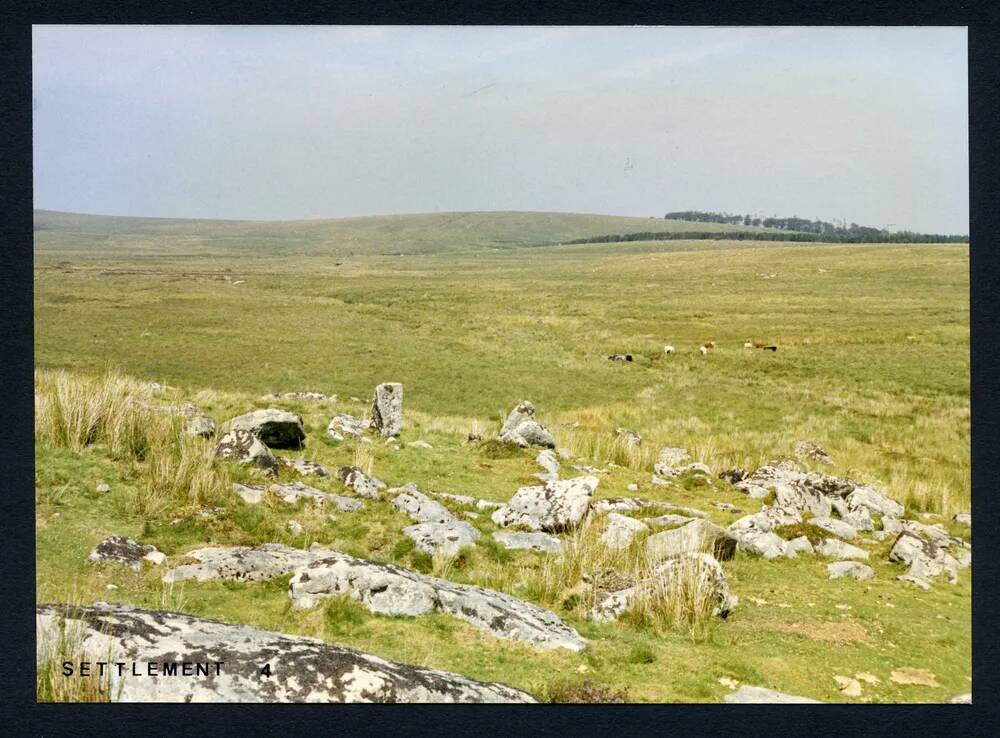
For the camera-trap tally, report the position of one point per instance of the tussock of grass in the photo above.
(52, 685)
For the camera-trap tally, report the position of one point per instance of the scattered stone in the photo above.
(633, 487)
(447, 537)
(460, 499)
(422, 508)
(548, 461)
(553, 508)
(677, 571)
(364, 485)
(564, 453)
(760, 696)
(763, 543)
(800, 545)
(834, 549)
(915, 581)
(728, 507)
(583, 469)
(963, 519)
(812, 451)
(347, 425)
(419, 444)
(471, 515)
(672, 456)
(387, 409)
(304, 467)
(630, 438)
(125, 551)
(244, 447)
(733, 476)
(663, 521)
(696, 536)
(275, 428)
(522, 429)
(103, 488)
(541, 542)
(392, 590)
(848, 686)
(868, 498)
(252, 494)
(313, 396)
(301, 669)
(241, 563)
(837, 527)
(621, 531)
(111, 587)
(658, 481)
(203, 426)
(211, 512)
(631, 504)
(295, 491)
(488, 505)
(854, 569)
(295, 527)
(911, 675)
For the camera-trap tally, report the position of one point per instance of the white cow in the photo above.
(703, 350)
(668, 349)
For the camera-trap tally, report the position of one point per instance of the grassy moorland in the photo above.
(872, 363)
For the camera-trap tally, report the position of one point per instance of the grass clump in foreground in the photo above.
(53, 685)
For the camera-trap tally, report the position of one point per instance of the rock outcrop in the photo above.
(553, 507)
(276, 428)
(393, 590)
(621, 531)
(303, 467)
(301, 669)
(347, 425)
(926, 559)
(387, 409)
(241, 563)
(853, 569)
(746, 695)
(447, 538)
(696, 536)
(361, 483)
(541, 542)
(522, 429)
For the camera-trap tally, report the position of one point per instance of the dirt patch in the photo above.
(817, 630)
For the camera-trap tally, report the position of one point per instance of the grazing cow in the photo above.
(668, 349)
(759, 344)
(620, 357)
(771, 347)
(703, 350)
(748, 345)
(709, 345)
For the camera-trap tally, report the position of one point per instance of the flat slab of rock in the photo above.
(697, 536)
(422, 508)
(837, 527)
(292, 492)
(387, 409)
(548, 460)
(252, 494)
(125, 551)
(553, 508)
(621, 531)
(447, 538)
(241, 563)
(853, 569)
(746, 695)
(522, 429)
(670, 520)
(699, 570)
(306, 468)
(276, 428)
(393, 590)
(347, 425)
(541, 542)
(357, 480)
(834, 549)
(302, 669)
(244, 447)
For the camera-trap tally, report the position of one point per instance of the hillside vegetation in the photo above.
(872, 364)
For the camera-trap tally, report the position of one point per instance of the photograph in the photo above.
(557, 364)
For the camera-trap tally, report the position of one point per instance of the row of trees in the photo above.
(853, 232)
(877, 237)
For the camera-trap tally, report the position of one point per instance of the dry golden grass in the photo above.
(52, 685)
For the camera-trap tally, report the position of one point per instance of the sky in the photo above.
(868, 125)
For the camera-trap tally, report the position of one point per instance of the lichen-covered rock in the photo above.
(668, 521)
(295, 491)
(201, 426)
(522, 429)
(764, 543)
(853, 569)
(541, 542)
(734, 475)
(306, 468)
(875, 502)
(357, 480)
(307, 395)
(301, 669)
(925, 559)
(629, 437)
(276, 428)
(393, 590)
(553, 508)
(241, 563)
(421, 508)
(387, 409)
(550, 463)
(837, 527)
(252, 494)
(699, 572)
(800, 545)
(831, 548)
(447, 538)
(244, 447)
(697, 536)
(747, 695)
(625, 505)
(347, 425)
(125, 551)
(621, 530)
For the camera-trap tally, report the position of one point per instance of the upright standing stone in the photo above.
(387, 409)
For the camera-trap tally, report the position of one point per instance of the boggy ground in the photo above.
(872, 364)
